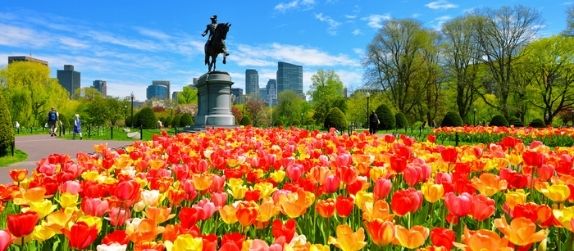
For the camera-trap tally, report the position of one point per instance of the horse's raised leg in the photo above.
(214, 61)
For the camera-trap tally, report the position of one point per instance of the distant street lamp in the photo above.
(132, 117)
(474, 117)
(368, 94)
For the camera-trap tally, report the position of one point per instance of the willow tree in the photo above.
(502, 35)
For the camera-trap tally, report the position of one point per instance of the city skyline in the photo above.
(117, 42)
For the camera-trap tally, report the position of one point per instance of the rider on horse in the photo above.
(211, 30)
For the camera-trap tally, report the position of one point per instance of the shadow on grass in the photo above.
(18, 157)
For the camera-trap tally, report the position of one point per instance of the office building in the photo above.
(69, 79)
(271, 92)
(12, 59)
(101, 86)
(174, 96)
(290, 77)
(263, 94)
(251, 82)
(159, 89)
(237, 96)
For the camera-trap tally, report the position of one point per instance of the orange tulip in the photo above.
(293, 204)
(521, 231)
(267, 209)
(246, 213)
(489, 184)
(381, 232)
(379, 210)
(202, 182)
(411, 238)
(143, 231)
(481, 240)
(228, 214)
(325, 208)
(18, 175)
(347, 240)
(159, 214)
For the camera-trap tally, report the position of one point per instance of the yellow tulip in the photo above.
(228, 214)
(43, 208)
(277, 176)
(556, 192)
(347, 240)
(265, 189)
(362, 198)
(236, 188)
(42, 233)
(377, 172)
(432, 192)
(516, 197)
(92, 221)
(319, 247)
(69, 200)
(564, 216)
(58, 220)
(202, 182)
(186, 242)
(90, 175)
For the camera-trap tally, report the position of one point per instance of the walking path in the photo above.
(40, 146)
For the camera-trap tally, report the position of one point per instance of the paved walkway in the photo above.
(40, 146)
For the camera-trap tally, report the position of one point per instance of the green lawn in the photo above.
(105, 133)
(18, 156)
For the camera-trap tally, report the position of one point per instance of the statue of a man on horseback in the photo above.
(215, 42)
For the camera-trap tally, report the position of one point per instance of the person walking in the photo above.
(373, 123)
(77, 126)
(52, 120)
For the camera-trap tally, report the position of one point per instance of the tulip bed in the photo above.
(291, 189)
(550, 136)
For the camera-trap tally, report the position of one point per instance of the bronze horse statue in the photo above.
(214, 46)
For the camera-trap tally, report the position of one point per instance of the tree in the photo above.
(394, 58)
(460, 50)
(289, 110)
(335, 119)
(255, 109)
(146, 118)
(326, 92)
(386, 118)
(569, 31)
(186, 120)
(451, 119)
(6, 125)
(187, 96)
(550, 65)
(501, 35)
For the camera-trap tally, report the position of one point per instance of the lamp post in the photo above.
(132, 116)
(368, 94)
(474, 117)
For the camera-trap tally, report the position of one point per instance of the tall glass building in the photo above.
(271, 92)
(69, 79)
(101, 86)
(251, 82)
(159, 89)
(290, 77)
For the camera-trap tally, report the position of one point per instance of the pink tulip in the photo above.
(294, 172)
(219, 199)
(217, 184)
(332, 183)
(5, 240)
(71, 186)
(458, 205)
(382, 188)
(118, 216)
(207, 207)
(95, 206)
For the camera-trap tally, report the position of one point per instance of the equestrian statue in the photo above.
(215, 42)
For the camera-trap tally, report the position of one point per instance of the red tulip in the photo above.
(232, 238)
(209, 242)
(252, 195)
(533, 158)
(18, 175)
(381, 232)
(406, 201)
(412, 175)
(398, 164)
(81, 235)
(431, 138)
(458, 205)
(286, 230)
(189, 216)
(509, 142)
(128, 191)
(382, 188)
(515, 180)
(389, 138)
(442, 237)
(5, 240)
(22, 224)
(344, 206)
(449, 154)
(332, 183)
(482, 207)
(117, 236)
(294, 172)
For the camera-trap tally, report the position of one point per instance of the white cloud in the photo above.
(16, 36)
(332, 30)
(73, 43)
(439, 21)
(294, 4)
(159, 35)
(441, 5)
(356, 32)
(376, 21)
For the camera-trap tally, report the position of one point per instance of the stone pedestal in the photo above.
(214, 98)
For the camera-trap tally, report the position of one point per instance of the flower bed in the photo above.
(488, 134)
(291, 189)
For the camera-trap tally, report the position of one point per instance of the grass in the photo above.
(18, 157)
(105, 133)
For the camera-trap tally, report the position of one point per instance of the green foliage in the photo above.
(326, 92)
(335, 119)
(186, 120)
(386, 117)
(451, 119)
(245, 121)
(289, 109)
(401, 120)
(145, 118)
(537, 123)
(6, 132)
(187, 96)
(165, 121)
(498, 120)
(176, 120)
(514, 121)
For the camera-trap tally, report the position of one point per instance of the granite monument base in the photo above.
(214, 101)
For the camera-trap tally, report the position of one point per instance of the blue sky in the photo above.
(129, 43)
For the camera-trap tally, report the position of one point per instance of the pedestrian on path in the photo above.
(373, 123)
(77, 126)
(52, 120)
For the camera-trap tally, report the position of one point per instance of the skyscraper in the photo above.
(69, 79)
(159, 89)
(271, 92)
(101, 86)
(12, 59)
(290, 77)
(251, 82)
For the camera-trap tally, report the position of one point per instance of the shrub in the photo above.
(537, 123)
(186, 120)
(145, 118)
(386, 117)
(401, 120)
(175, 120)
(245, 121)
(6, 132)
(498, 120)
(515, 122)
(451, 119)
(335, 119)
